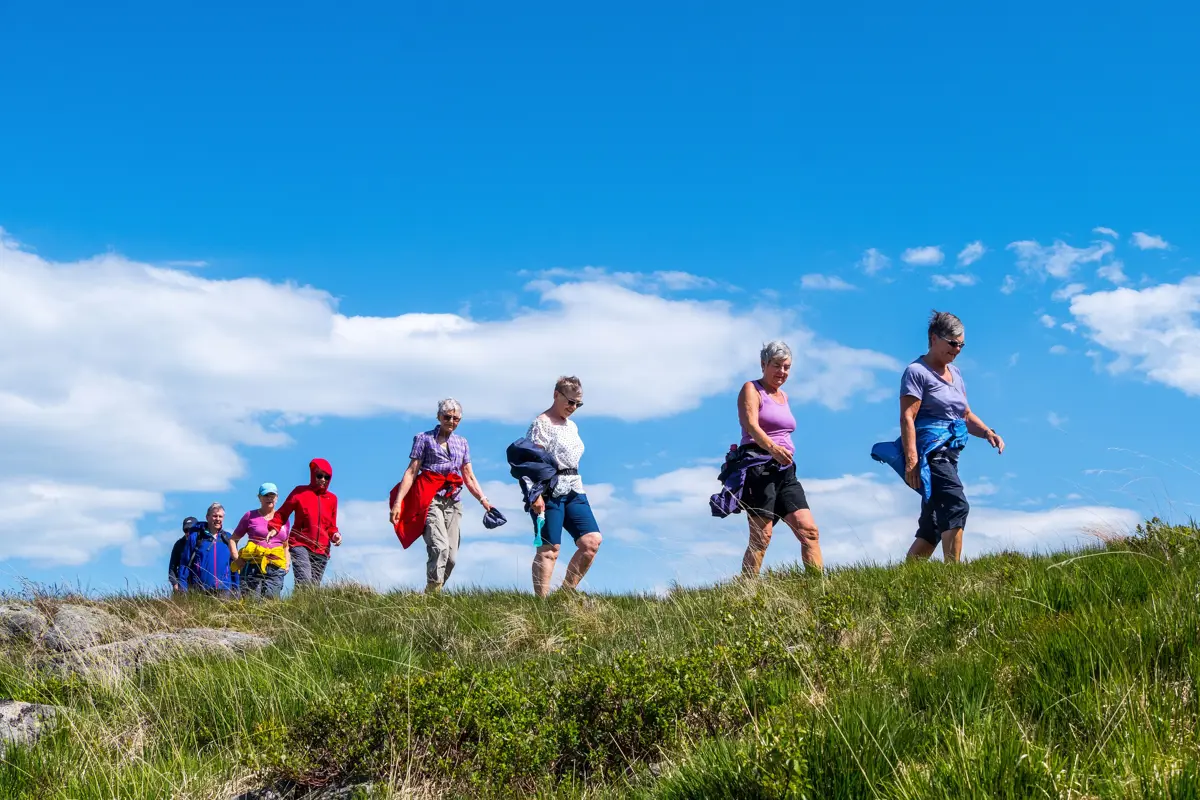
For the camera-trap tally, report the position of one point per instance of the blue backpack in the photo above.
(204, 560)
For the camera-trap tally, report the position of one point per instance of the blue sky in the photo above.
(241, 236)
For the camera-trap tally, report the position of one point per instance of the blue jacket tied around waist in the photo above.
(528, 460)
(931, 435)
(738, 462)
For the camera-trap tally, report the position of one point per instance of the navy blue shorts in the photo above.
(947, 506)
(571, 512)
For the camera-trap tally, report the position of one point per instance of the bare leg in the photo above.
(585, 552)
(920, 550)
(952, 545)
(805, 527)
(760, 537)
(543, 568)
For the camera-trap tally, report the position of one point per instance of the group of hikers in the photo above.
(758, 477)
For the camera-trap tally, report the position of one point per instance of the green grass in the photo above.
(1065, 676)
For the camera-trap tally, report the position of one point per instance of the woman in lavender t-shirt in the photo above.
(771, 491)
(931, 390)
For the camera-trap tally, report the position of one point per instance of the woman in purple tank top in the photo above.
(771, 491)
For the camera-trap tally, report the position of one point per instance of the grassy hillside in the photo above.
(1071, 676)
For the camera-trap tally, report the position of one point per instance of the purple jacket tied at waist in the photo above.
(733, 477)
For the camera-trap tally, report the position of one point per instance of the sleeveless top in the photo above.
(775, 419)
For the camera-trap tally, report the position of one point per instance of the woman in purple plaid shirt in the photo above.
(443, 451)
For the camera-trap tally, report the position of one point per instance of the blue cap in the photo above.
(267, 488)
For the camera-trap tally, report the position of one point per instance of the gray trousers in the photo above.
(441, 538)
(307, 566)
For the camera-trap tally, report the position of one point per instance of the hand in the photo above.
(336, 538)
(539, 505)
(486, 505)
(912, 476)
(995, 441)
(781, 455)
(395, 517)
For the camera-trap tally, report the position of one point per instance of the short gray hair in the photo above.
(447, 404)
(772, 351)
(568, 382)
(944, 325)
(214, 507)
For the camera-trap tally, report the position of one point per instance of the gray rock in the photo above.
(109, 662)
(23, 723)
(21, 623)
(78, 627)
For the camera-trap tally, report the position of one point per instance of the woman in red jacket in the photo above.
(315, 526)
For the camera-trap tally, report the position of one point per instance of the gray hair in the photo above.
(944, 325)
(774, 351)
(214, 507)
(449, 404)
(568, 382)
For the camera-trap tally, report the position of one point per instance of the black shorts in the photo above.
(771, 491)
(947, 507)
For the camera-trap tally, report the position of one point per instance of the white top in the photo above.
(565, 447)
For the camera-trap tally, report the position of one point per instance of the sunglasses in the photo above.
(451, 418)
(957, 344)
(573, 403)
(321, 476)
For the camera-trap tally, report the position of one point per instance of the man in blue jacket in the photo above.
(201, 560)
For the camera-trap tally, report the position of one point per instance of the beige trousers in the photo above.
(441, 538)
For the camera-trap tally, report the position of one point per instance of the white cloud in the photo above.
(1058, 350)
(1055, 420)
(60, 523)
(1057, 260)
(1146, 241)
(1048, 321)
(951, 281)
(1009, 286)
(1013, 359)
(1068, 291)
(824, 282)
(1113, 273)
(1070, 327)
(873, 261)
(662, 281)
(1106, 232)
(930, 256)
(1153, 330)
(186, 264)
(133, 381)
(971, 253)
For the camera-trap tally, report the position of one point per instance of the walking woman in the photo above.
(935, 420)
(315, 527)
(770, 491)
(563, 501)
(426, 501)
(265, 554)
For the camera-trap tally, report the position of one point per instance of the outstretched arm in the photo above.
(977, 427)
(909, 406)
(472, 484)
(410, 474)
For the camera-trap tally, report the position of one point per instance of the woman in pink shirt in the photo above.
(265, 555)
(771, 491)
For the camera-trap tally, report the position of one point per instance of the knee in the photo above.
(590, 543)
(808, 533)
(547, 552)
(759, 538)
